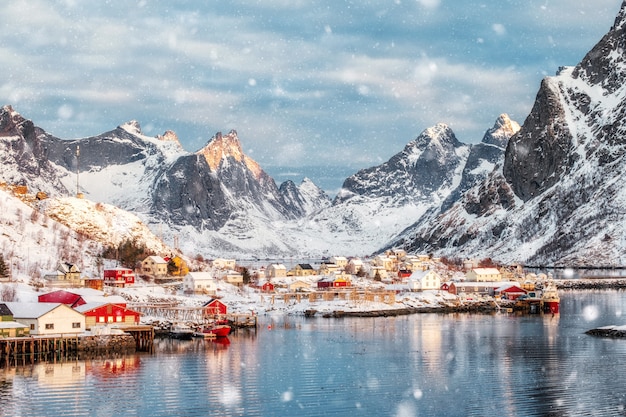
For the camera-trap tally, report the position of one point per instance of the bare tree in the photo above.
(8, 293)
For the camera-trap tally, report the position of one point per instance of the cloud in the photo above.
(349, 85)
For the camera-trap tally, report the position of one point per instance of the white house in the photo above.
(221, 263)
(340, 261)
(48, 318)
(483, 275)
(354, 266)
(424, 280)
(232, 277)
(276, 271)
(199, 282)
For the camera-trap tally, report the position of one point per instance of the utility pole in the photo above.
(77, 155)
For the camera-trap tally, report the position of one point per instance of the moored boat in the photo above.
(181, 331)
(219, 330)
(550, 299)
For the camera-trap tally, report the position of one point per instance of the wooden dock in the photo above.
(144, 337)
(64, 345)
(38, 345)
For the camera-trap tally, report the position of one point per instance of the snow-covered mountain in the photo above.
(549, 192)
(558, 197)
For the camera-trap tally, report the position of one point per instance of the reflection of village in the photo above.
(71, 305)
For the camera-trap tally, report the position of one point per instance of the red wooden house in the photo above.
(107, 313)
(215, 307)
(404, 273)
(267, 287)
(119, 277)
(326, 282)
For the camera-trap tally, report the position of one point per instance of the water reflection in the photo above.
(457, 364)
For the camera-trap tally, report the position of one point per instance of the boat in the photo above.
(550, 299)
(181, 331)
(218, 329)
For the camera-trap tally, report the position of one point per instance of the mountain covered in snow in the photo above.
(548, 192)
(558, 196)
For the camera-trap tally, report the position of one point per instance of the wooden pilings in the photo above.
(144, 337)
(38, 345)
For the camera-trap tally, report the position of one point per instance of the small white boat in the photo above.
(181, 331)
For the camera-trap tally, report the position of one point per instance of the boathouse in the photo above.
(107, 313)
(510, 291)
(215, 307)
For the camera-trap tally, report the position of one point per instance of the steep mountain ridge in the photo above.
(558, 196)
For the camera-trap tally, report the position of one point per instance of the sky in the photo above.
(313, 88)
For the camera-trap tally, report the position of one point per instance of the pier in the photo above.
(38, 345)
(144, 337)
(60, 346)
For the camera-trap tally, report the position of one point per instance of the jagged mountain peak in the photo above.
(221, 147)
(133, 127)
(12, 123)
(169, 136)
(501, 131)
(437, 135)
(605, 64)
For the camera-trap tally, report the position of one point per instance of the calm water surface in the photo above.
(419, 365)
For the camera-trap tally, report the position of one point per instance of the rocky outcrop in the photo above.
(425, 166)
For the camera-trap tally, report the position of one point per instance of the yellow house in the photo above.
(484, 275)
(154, 266)
(303, 270)
(327, 268)
(340, 261)
(233, 277)
(276, 271)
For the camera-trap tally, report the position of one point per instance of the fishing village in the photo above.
(125, 309)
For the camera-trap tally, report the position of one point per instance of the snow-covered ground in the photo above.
(247, 300)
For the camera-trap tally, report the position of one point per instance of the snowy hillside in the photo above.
(35, 236)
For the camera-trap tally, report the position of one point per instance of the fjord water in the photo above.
(418, 365)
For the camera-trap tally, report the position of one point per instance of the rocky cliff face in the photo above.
(558, 197)
(22, 155)
(427, 165)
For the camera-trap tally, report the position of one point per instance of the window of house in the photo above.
(101, 319)
(76, 325)
(49, 326)
(32, 327)
(118, 319)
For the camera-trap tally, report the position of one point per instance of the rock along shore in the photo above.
(473, 307)
(609, 331)
(591, 284)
